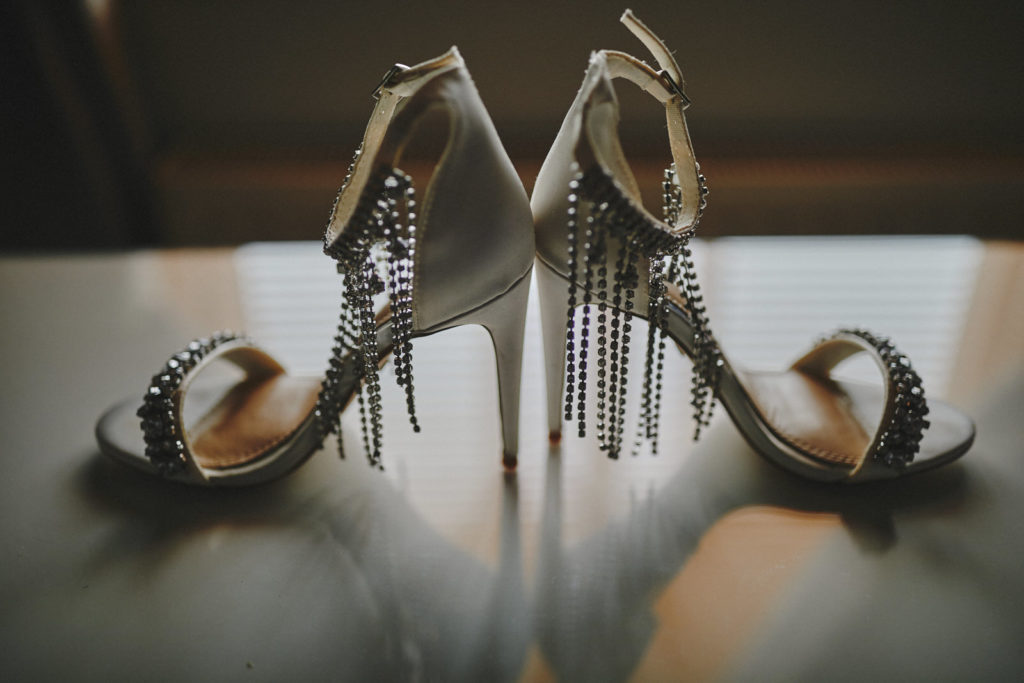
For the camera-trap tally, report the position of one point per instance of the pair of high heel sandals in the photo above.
(463, 254)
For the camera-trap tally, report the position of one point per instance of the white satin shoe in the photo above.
(599, 248)
(462, 255)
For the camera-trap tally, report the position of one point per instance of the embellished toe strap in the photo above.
(167, 444)
(898, 437)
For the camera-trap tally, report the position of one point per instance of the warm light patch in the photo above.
(743, 566)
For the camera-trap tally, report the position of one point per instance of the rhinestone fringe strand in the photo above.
(384, 220)
(606, 230)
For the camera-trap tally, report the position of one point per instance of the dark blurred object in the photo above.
(186, 122)
(71, 175)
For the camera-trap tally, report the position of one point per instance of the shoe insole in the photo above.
(252, 417)
(833, 422)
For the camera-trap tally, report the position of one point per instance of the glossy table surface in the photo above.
(703, 562)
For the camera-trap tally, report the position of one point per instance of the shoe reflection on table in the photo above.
(417, 606)
(344, 580)
(599, 621)
(870, 580)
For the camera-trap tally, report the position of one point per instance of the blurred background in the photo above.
(193, 122)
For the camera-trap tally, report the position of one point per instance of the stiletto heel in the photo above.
(599, 249)
(553, 292)
(437, 267)
(504, 318)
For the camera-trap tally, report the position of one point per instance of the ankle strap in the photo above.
(399, 83)
(659, 84)
(666, 86)
(670, 70)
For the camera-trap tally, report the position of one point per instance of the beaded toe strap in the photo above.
(898, 437)
(167, 444)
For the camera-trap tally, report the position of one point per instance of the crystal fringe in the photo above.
(383, 222)
(606, 230)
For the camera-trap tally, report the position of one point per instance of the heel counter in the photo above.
(550, 199)
(477, 229)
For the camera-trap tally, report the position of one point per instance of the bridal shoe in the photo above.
(463, 255)
(603, 258)
(250, 430)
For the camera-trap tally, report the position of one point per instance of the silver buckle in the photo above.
(675, 87)
(395, 69)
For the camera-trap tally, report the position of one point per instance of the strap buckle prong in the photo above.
(675, 87)
(395, 69)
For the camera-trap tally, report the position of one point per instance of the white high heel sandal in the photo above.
(465, 257)
(599, 247)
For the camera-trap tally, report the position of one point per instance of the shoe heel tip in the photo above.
(510, 461)
(555, 436)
